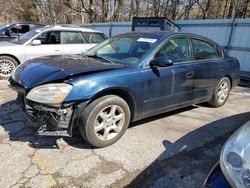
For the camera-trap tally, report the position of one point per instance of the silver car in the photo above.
(56, 40)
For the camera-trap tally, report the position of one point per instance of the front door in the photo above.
(167, 87)
(50, 45)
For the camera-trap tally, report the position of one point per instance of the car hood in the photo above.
(53, 68)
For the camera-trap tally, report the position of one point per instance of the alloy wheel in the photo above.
(109, 122)
(6, 67)
(223, 91)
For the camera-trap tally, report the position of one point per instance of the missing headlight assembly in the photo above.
(55, 121)
(44, 105)
(52, 121)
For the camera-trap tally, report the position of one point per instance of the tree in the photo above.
(87, 11)
(24, 10)
(82, 7)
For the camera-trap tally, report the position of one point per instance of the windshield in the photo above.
(25, 37)
(3, 26)
(126, 49)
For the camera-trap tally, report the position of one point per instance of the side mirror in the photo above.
(161, 62)
(36, 42)
(7, 32)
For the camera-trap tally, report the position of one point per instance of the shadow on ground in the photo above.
(182, 164)
(15, 123)
(189, 159)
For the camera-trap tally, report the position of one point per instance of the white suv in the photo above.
(56, 40)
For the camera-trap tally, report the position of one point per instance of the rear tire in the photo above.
(7, 66)
(104, 121)
(221, 93)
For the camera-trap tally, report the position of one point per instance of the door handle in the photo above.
(190, 75)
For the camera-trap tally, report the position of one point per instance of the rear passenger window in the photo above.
(205, 50)
(96, 38)
(72, 38)
(93, 37)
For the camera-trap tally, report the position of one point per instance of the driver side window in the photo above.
(176, 49)
(50, 38)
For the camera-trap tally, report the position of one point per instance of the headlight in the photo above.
(235, 158)
(49, 93)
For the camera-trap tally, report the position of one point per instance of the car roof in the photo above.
(154, 34)
(31, 23)
(165, 34)
(68, 28)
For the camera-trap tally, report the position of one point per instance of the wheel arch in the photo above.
(230, 79)
(121, 92)
(14, 57)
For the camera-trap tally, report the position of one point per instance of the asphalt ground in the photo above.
(175, 149)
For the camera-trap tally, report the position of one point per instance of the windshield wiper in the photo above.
(100, 57)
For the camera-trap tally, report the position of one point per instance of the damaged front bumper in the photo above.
(54, 121)
(50, 120)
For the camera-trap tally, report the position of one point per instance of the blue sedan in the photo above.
(124, 79)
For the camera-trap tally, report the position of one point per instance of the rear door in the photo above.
(73, 42)
(209, 66)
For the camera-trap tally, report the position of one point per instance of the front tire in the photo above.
(221, 93)
(104, 121)
(7, 66)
